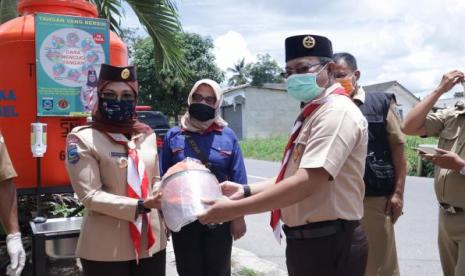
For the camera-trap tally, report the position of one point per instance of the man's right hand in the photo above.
(449, 80)
(154, 201)
(232, 190)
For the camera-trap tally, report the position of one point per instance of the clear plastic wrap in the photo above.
(183, 187)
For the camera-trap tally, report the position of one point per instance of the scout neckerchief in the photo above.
(308, 110)
(138, 188)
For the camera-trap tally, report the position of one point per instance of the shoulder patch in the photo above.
(72, 155)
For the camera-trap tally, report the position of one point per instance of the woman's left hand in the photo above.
(238, 228)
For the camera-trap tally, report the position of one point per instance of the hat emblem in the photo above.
(308, 42)
(125, 74)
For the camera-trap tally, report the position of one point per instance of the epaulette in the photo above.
(79, 128)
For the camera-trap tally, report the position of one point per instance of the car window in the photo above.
(153, 119)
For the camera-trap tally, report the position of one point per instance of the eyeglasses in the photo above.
(112, 95)
(305, 68)
(199, 98)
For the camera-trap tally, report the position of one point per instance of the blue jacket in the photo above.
(221, 148)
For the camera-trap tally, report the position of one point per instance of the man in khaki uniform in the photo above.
(383, 205)
(113, 167)
(319, 190)
(449, 182)
(9, 212)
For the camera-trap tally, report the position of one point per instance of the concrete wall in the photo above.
(268, 112)
(405, 102)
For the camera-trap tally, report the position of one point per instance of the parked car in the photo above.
(156, 120)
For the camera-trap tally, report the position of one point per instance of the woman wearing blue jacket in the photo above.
(205, 250)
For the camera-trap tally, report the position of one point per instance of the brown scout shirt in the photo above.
(97, 168)
(449, 126)
(335, 138)
(7, 170)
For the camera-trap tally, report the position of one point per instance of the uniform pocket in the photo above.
(177, 146)
(223, 149)
(448, 137)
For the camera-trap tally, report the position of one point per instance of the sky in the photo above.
(414, 42)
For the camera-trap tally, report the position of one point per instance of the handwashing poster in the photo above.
(69, 52)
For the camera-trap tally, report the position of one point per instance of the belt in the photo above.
(319, 229)
(450, 209)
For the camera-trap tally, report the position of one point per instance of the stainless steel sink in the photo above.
(57, 225)
(58, 248)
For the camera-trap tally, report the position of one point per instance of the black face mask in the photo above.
(117, 111)
(201, 112)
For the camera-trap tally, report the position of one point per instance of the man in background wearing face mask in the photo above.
(318, 193)
(383, 201)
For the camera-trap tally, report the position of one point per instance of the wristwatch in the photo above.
(141, 209)
(247, 191)
(462, 170)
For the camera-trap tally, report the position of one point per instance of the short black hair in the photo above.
(348, 58)
(324, 60)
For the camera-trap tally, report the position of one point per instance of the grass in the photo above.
(264, 148)
(412, 155)
(272, 149)
(246, 272)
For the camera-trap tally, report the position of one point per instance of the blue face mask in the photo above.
(303, 87)
(117, 111)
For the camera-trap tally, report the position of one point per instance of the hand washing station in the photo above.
(55, 238)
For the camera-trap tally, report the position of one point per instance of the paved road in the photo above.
(416, 230)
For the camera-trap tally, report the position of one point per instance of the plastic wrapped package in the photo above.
(183, 187)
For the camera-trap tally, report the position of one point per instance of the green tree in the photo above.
(239, 71)
(159, 18)
(265, 70)
(7, 10)
(169, 92)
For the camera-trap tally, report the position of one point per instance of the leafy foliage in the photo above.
(8, 10)
(265, 70)
(239, 71)
(169, 90)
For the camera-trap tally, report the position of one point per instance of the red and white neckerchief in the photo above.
(275, 221)
(138, 188)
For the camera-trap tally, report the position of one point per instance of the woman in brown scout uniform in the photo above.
(112, 164)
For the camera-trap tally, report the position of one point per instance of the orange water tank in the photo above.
(18, 95)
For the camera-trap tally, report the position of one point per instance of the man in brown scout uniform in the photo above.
(449, 182)
(385, 170)
(9, 212)
(319, 190)
(113, 167)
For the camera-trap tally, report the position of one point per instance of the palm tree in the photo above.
(159, 17)
(239, 70)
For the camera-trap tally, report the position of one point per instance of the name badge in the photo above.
(118, 154)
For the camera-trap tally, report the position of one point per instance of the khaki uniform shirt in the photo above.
(393, 122)
(335, 138)
(97, 170)
(449, 125)
(6, 167)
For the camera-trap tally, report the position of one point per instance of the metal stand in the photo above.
(38, 218)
